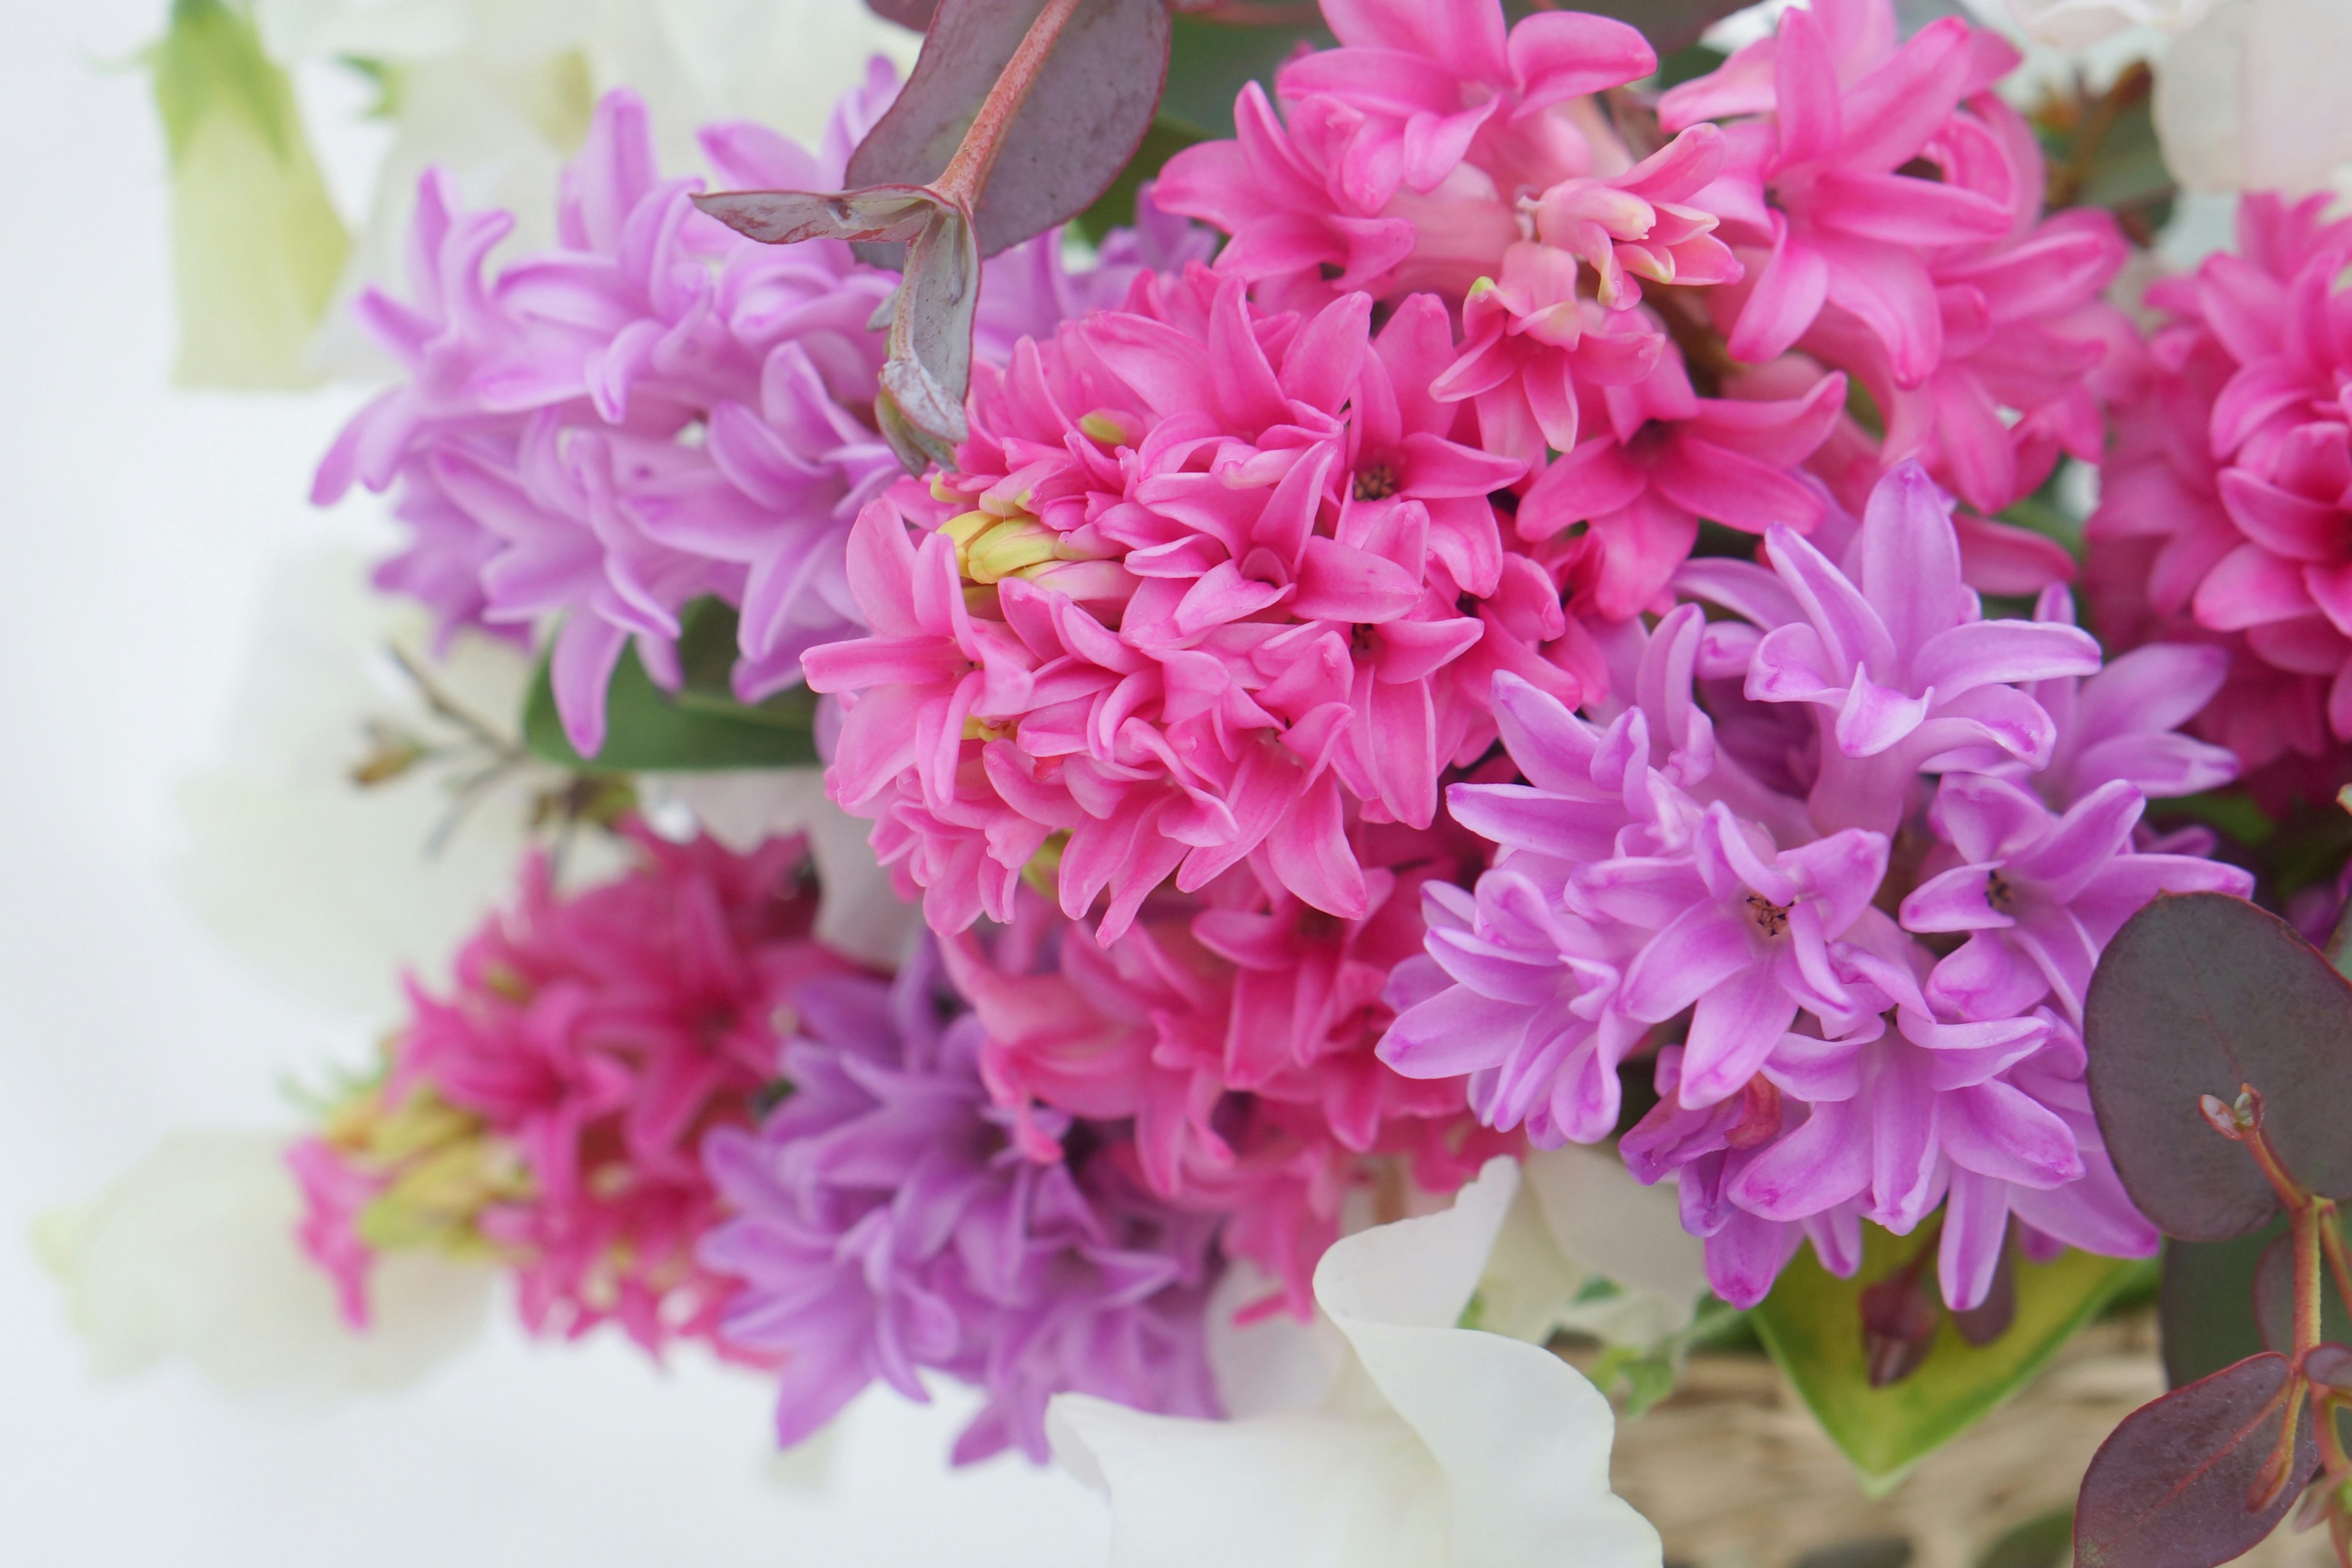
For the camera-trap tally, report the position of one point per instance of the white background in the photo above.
(136, 526)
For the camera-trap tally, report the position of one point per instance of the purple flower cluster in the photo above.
(1869, 845)
(658, 409)
(886, 1222)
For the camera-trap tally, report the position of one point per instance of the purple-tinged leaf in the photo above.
(1082, 120)
(929, 364)
(920, 406)
(2197, 995)
(1990, 1319)
(2169, 1489)
(787, 217)
(1899, 1318)
(911, 13)
(2330, 1366)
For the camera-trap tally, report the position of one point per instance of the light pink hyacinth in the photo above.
(1714, 844)
(1188, 602)
(2226, 509)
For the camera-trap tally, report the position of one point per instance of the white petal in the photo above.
(193, 1254)
(1446, 1446)
(2201, 102)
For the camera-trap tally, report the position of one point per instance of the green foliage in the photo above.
(1115, 207)
(2207, 1304)
(1210, 62)
(2043, 1542)
(1811, 1324)
(700, 727)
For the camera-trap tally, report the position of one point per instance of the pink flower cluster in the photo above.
(590, 1043)
(1839, 202)
(658, 410)
(1869, 845)
(2225, 511)
(1210, 585)
(1236, 1032)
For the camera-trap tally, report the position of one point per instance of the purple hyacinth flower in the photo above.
(2038, 894)
(886, 1223)
(1898, 656)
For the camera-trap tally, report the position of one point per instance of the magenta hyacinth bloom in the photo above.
(593, 1040)
(1188, 602)
(1705, 860)
(1661, 459)
(1826, 114)
(885, 1220)
(2226, 510)
(655, 411)
(1399, 157)
(1236, 1034)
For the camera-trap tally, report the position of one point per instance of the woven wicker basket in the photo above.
(1735, 1474)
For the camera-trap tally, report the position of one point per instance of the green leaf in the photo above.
(1210, 62)
(2207, 1304)
(1812, 1322)
(1115, 207)
(698, 728)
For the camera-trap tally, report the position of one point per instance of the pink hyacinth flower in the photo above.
(1664, 459)
(1850, 108)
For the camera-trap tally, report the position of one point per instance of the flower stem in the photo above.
(966, 174)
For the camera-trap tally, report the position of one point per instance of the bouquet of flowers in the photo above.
(1318, 741)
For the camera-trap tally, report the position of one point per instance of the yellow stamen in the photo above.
(1007, 548)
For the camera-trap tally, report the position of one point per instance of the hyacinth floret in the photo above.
(2225, 512)
(1868, 1036)
(1189, 602)
(885, 1220)
(658, 409)
(550, 1110)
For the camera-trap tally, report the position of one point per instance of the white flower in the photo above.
(1588, 1248)
(335, 890)
(2077, 24)
(1439, 1446)
(192, 1254)
(860, 913)
(2251, 98)
(256, 245)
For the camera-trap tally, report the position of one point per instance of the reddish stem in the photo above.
(967, 173)
(2331, 1245)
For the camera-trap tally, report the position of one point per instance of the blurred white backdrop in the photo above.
(137, 526)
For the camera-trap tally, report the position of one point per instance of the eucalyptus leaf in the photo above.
(928, 367)
(698, 728)
(2197, 995)
(2169, 1487)
(1812, 1322)
(1082, 120)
